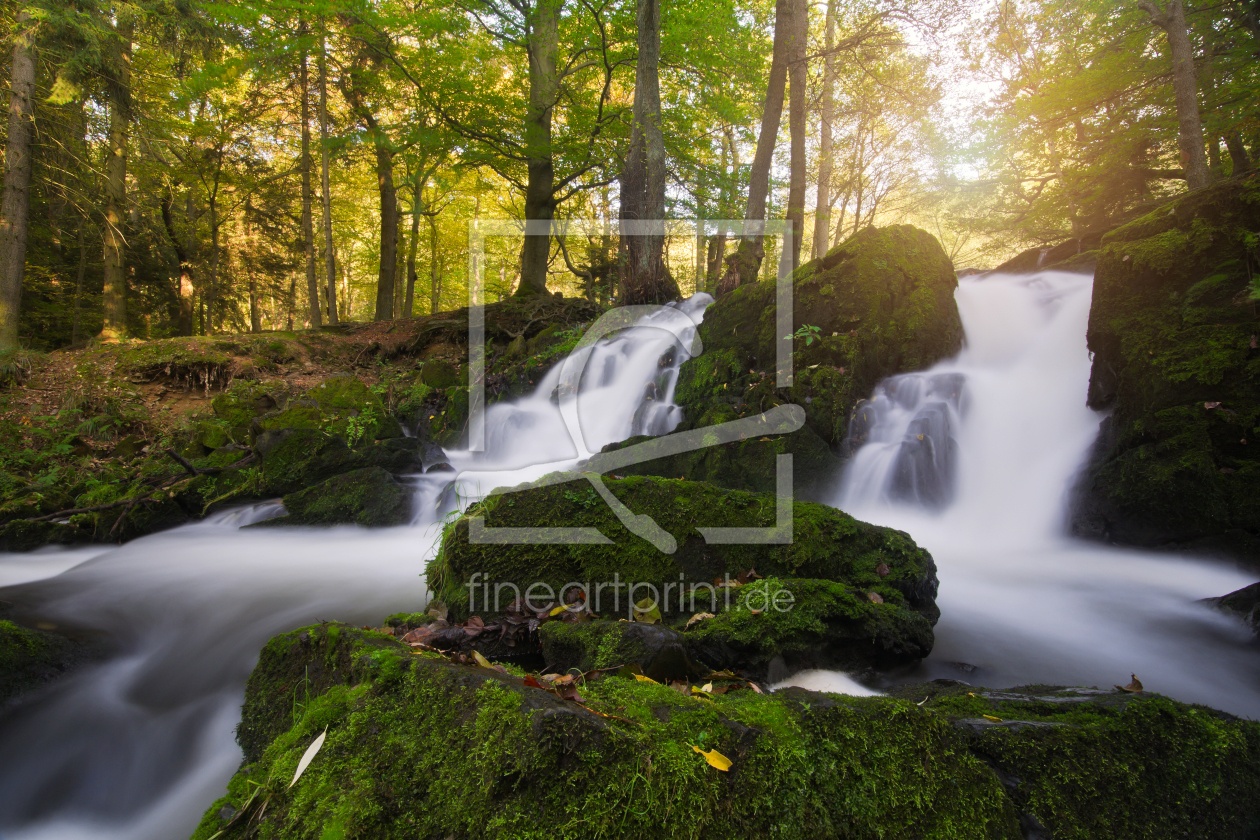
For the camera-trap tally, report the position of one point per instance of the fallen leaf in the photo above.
(874, 596)
(697, 618)
(557, 610)
(308, 756)
(1135, 687)
(642, 678)
(924, 700)
(647, 612)
(1211, 405)
(474, 626)
(438, 610)
(992, 718)
(481, 660)
(882, 570)
(755, 612)
(532, 682)
(715, 758)
(708, 687)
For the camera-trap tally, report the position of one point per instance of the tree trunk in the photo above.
(796, 128)
(214, 295)
(747, 260)
(435, 276)
(183, 265)
(78, 282)
(16, 202)
(1241, 161)
(255, 309)
(115, 286)
(822, 208)
(645, 278)
(542, 45)
(416, 196)
(1172, 20)
(308, 232)
(330, 254)
(389, 227)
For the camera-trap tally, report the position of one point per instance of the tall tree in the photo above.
(797, 73)
(16, 201)
(822, 207)
(645, 277)
(330, 253)
(747, 260)
(1172, 19)
(308, 231)
(115, 284)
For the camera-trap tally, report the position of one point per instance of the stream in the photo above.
(974, 458)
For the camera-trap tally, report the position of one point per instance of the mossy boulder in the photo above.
(882, 303)
(1176, 361)
(29, 658)
(294, 459)
(25, 535)
(370, 497)
(826, 544)
(659, 651)
(244, 400)
(436, 373)
(416, 746)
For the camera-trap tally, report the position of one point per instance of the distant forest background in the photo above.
(207, 167)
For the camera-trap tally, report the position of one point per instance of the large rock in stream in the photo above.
(879, 304)
(414, 745)
(1173, 330)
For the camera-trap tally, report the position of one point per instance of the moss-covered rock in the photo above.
(29, 658)
(1173, 333)
(416, 746)
(881, 303)
(294, 459)
(826, 544)
(370, 497)
(25, 535)
(659, 651)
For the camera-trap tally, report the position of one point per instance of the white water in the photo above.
(136, 748)
(1021, 602)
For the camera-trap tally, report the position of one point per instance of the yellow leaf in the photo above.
(700, 692)
(642, 678)
(715, 758)
(992, 718)
(481, 660)
(707, 687)
(557, 610)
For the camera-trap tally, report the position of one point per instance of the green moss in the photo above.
(369, 497)
(30, 657)
(1172, 330)
(443, 749)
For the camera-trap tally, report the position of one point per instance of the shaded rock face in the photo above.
(1243, 603)
(1176, 360)
(370, 497)
(416, 746)
(29, 658)
(857, 595)
(883, 303)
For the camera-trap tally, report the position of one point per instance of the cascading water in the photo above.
(974, 458)
(136, 747)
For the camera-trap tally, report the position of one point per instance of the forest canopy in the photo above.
(179, 167)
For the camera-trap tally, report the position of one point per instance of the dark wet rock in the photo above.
(25, 535)
(1173, 333)
(661, 652)
(1242, 603)
(370, 497)
(29, 658)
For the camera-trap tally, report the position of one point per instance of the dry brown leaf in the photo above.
(1134, 687)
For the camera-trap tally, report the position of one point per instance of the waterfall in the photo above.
(137, 746)
(974, 458)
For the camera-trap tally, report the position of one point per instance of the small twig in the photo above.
(179, 459)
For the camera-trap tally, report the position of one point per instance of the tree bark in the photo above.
(308, 232)
(645, 278)
(417, 190)
(796, 127)
(78, 282)
(435, 276)
(747, 259)
(822, 208)
(183, 265)
(16, 202)
(1172, 19)
(1241, 161)
(114, 294)
(330, 253)
(255, 309)
(542, 45)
